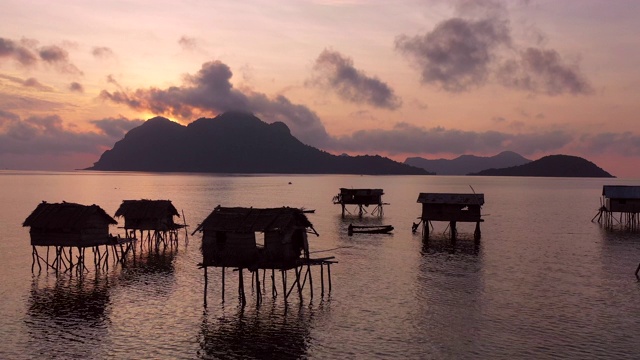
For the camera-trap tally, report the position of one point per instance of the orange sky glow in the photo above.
(431, 78)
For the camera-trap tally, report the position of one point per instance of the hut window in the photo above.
(260, 239)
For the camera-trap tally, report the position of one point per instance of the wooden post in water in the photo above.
(284, 284)
(329, 275)
(298, 282)
(206, 282)
(452, 228)
(258, 290)
(310, 280)
(477, 234)
(274, 292)
(243, 299)
(321, 279)
(223, 268)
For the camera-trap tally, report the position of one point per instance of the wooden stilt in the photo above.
(310, 280)
(274, 292)
(321, 280)
(258, 290)
(243, 299)
(298, 282)
(477, 234)
(329, 275)
(284, 284)
(206, 283)
(223, 271)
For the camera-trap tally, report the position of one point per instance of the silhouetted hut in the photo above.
(622, 199)
(360, 197)
(452, 208)
(69, 224)
(254, 239)
(150, 215)
(65, 226)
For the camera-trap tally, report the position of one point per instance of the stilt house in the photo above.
(148, 215)
(69, 224)
(621, 198)
(452, 208)
(360, 197)
(274, 238)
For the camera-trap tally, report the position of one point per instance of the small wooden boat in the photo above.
(369, 229)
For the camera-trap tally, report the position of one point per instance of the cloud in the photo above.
(188, 43)
(76, 87)
(28, 83)
(20, 103)
(48, 135)
(538, 70)
(336, 72)
(7, 117)
(17, 52)
(457, 55)
(102, 52)
(404, 138)
(210, 92)
(469, 51)
(59, 58)
(625, 143)
(116, 128)
(34, 83)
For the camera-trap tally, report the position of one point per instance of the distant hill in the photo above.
(233, 142)
(466, 164)
(551, 166)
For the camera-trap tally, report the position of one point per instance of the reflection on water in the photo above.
(267, 332)
(64, 310)
(443, 244)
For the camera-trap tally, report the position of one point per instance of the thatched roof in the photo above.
(238, 219)
(65, 215)
(454, 199)
(147, 209)
(621, 191)
(361, 192)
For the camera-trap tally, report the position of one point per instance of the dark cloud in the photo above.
(539, 70)
(625, 143)
(409, 139)
(48, 135)
(102, 52)
(20, 103)
(210, 92)
(59, 58)
(468, 51)
(336, 72)
(188, 43)
(7, 117)
(17, 51)
(116, 128)
(457, 55)
(76, 87)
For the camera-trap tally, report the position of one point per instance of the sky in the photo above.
(431, 78)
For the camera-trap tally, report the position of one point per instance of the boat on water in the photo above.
(369, 229)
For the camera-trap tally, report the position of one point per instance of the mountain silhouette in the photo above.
(466, 164)
(233, 142)
(551, 166)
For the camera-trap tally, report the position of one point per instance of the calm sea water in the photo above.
(544, 281)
